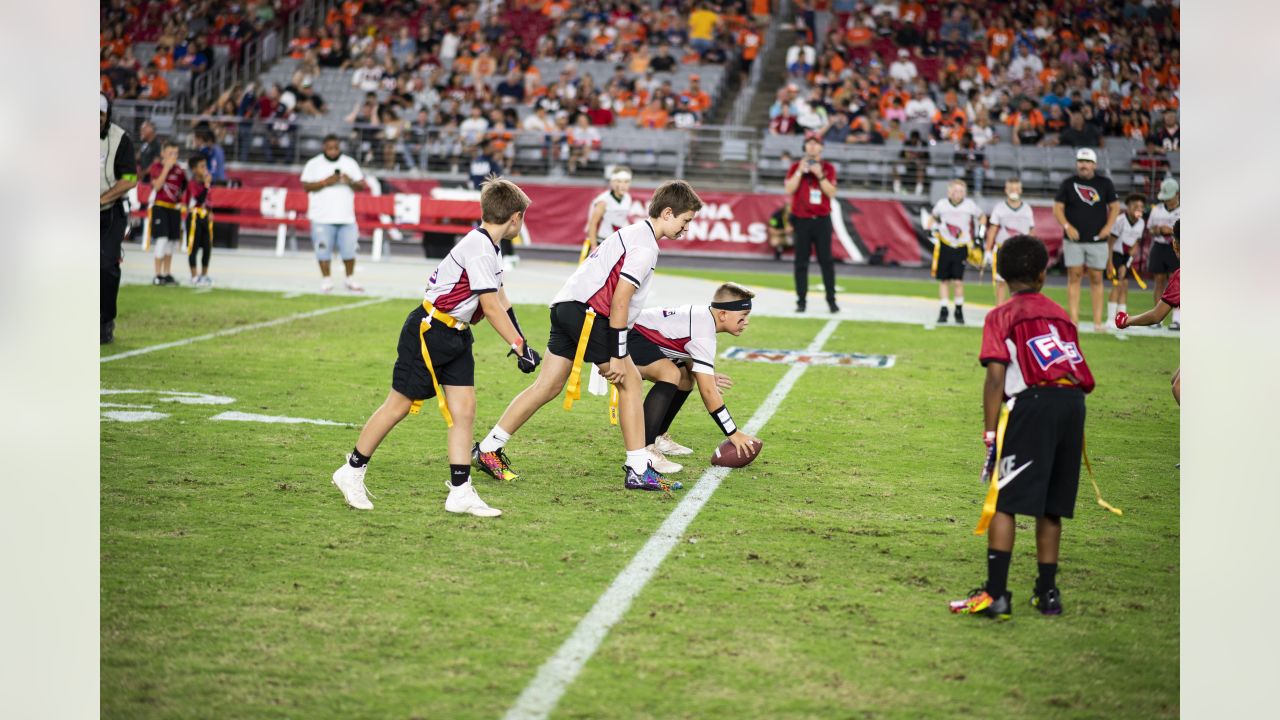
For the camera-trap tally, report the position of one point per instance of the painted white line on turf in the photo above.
(557, 673)
(242, 328)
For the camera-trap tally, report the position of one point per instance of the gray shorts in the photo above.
(1093, 255)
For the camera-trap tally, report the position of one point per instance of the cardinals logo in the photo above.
(1087, 194)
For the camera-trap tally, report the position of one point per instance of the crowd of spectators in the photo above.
(1053, 72)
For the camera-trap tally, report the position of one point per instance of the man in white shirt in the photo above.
(1023, 60)
(920, 106)
(801, 57)
(902, 68)
(332, 179)
(368, 76)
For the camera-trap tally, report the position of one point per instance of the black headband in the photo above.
(743, 304)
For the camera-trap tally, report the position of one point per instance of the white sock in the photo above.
(1177, 315)
(638, 460)
(1122, 307)
(944, 303)
(959, 300)
(495, 440)
(1111, 309)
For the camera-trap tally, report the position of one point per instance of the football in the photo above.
(727, 455)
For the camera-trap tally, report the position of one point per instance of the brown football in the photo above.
(727, 455)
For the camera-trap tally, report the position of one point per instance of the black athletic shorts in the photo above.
(644, 351)
(566, 327)
(1040, 458)
(951, 262)
(1118, 260)
(1162, 260)
(166, 223)
(450, 356)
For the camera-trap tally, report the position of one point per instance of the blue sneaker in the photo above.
(650, 480)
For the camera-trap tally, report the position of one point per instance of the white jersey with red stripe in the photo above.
(1011, 222)
(1128, 232)
(682, 333)
(616, 213)
(629, 254)
(956, 225)
(472, 268)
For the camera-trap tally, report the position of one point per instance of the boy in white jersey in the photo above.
(1008, 219)
(434, 356)
(609, 210)
(590, 317)
(1163, 261)
(954, 221)
(673, 346)
(1125, 234)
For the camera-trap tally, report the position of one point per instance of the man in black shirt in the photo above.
(1078, 134)
(148, 149)
(1086, 207)
(663, 62)
(117, 175)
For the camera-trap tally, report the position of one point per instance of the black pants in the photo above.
(110, 239)
(201, 244)
(816, 233)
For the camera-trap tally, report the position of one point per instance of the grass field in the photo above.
(236, 583)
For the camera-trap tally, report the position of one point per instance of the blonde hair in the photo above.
(732, 291)
(500, 199)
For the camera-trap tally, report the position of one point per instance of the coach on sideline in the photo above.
(1086, 207)
(811, 183)
(117, 175)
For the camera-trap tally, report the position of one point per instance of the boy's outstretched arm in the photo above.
(1151, 317)
(498, 309)
(711, 398)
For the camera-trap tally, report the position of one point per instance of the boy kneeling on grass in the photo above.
(1033, 407)
(434, 357)
(1168, 302)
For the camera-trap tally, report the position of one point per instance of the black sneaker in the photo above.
(942, 315)
(1175, 327)
(831, 305)
(157, 280)
(170, 280)
(800, 306)
(1048, 602)
(959, 314)
(777, 253)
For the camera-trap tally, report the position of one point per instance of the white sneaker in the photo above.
(351, 482)
(354, 286)
(667, 446)
(661, 463)
(463, 499)
(326, 286)
(195, 281)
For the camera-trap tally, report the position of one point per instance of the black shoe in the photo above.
(942, 315)
(959, 314)
(170, 280)
(831, 304)
(1048, 602)
(1175, 327)
(777, 253)
(157, 280)
(800, 306)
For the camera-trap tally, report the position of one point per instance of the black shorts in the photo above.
(450, 356)
(166, 223)
(1040, 458)
(1120, 261)
(1162, 260)
(566, 327)
(950, 262)
(644, 351)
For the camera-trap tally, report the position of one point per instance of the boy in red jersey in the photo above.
(1033, 408)
(1169, 301)
(168, 183)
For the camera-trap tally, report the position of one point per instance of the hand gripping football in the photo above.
(727, 455)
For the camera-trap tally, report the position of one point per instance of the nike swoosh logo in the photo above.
(1009, 478)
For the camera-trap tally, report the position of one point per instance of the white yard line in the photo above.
(243, 328)
(557, 673)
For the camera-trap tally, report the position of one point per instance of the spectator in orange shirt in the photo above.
(653, 116)
(999, 40)
(697, 98)
(154, 86)
(1028, 113)
(912, 13)
(163, 58)
(749, 40)
(859, 34)
(949, 123)
(303, 42)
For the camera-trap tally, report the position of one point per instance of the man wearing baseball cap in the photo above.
(1163, 261)
(1086, 207)
(811, 184)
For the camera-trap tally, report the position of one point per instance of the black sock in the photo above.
(358, 460)
(1048, 578)
(676, 404)
(656, 405)
(459, 474)
(998, 572)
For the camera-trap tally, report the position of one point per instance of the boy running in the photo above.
(1171, 300)
(1033, 407)
(590, 317)
(671, 347)
(954, 221)
(168, 183)
(1125, 235)
(1009, 218)
(434, 357)
(199, 219)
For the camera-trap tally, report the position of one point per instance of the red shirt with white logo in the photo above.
(1034, 337)
(1173, 291)
(174, 183)
(809, 201)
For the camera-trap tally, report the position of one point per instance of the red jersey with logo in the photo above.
(1034, 337)
(682, 333)
(472, 268)
(174, 183)
(1173, 291)
(630, 254)
(809, 201)
(196, 195)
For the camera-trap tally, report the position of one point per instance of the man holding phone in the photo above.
(332, 180)
(811, 183)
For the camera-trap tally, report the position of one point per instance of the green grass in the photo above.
(235, 582)
(977, 292)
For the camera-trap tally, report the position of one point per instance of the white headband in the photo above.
(620, 175)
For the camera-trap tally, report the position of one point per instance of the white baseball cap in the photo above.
(1087, 154)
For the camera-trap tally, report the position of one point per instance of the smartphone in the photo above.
(337, 172)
